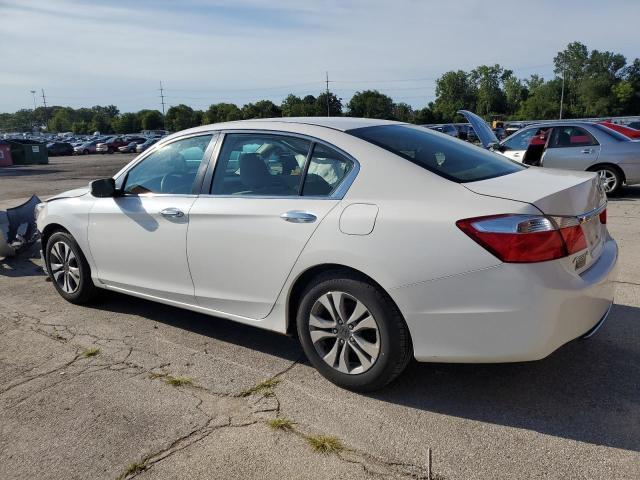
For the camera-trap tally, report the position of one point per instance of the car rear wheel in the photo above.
(610, 178)
(85, 152)
(68, 269)
(352, 332)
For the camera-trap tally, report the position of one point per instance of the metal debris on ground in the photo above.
(18, 227)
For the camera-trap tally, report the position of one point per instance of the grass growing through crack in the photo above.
(266, 388)
(91, 352)
(325, 444)
(281, 424)
(173, 381)
(132, 469)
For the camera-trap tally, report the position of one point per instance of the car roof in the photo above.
(559, 123)
(335, 123)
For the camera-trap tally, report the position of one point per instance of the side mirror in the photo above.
(496, 147)
(103, 188)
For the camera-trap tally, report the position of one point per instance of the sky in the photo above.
(98, 52)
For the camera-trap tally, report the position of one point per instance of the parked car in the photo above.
(132, 145)
(59, 148)
(111, 145)
(466, 132)
(374, 241)
(446, 128)
(626, 131)
(87, 147)
(571, 145)
(141, 147)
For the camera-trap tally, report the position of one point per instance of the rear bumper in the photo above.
(507, 313)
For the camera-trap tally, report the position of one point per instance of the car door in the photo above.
(138, 239)
(516, 145)
(571, 147)
(268, 194)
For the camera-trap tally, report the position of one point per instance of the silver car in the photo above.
(570, 145)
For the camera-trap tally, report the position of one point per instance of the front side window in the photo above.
(455, 160)
(563, 137)
(170, 169)
(260, 164)
(520, 140)
(327, 168)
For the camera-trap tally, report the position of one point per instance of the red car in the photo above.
(627, 131)
(111, 145)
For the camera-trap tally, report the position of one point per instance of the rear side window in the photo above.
(327, 168)
(452, 159)
(260, 164)
(571, 137)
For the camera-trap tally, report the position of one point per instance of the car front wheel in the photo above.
(68, 269)
(352, 332)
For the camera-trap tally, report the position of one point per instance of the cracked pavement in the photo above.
(67, 414)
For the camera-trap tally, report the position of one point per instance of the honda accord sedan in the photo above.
(374, 242)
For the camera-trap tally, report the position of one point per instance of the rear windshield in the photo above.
(450, 158)
(610, 131)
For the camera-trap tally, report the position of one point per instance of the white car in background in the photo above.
(373, 241)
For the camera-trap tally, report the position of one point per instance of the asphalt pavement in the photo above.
(128, 388)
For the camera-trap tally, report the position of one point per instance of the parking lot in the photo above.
(127, 387)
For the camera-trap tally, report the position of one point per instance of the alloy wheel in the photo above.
(65, 268)
(608, 179)
(344, 333)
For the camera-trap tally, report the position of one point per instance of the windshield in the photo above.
(452, 159)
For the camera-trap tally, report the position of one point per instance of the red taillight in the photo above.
(603, 217)
(525, 238)
(573, 239)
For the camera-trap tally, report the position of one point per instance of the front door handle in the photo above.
(297, 216)
(172, 212)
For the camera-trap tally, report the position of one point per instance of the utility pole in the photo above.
(44, 103)
(33, 117)
(562, 93)
(164, 125)
(328, 103)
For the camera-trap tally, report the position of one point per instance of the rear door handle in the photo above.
(297, 216)
(587, 150)
(172, 212)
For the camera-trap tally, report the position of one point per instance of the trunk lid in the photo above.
(482, 128)
(559, 193)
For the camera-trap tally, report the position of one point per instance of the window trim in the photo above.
(121, 177)
(338, 193)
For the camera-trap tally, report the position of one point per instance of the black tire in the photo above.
(85, 290)
(110, 151)
(612, 172)
(85, 152)
(395, 350)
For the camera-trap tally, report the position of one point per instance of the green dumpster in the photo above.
(28, 152)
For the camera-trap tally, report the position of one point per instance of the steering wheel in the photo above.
(167, 183)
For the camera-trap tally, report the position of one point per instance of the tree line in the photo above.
(592, 83)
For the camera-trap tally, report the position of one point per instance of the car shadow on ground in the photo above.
(588, 390)
(627, 194)
(221, 329)
(23, 264)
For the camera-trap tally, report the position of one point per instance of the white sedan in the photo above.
(372, 241)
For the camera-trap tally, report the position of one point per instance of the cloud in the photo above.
(99, 52)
